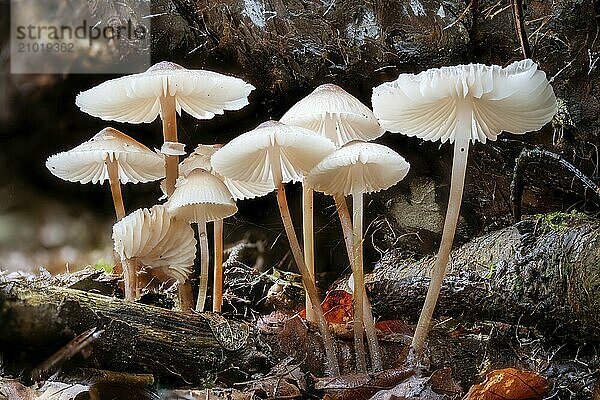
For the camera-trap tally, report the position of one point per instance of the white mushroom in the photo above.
(332, 112)
(200, 158)
(110, 155)
(275, 153)
(165, 89)
(201, 197)
(357, 168)
(154, 239)
(459, 104)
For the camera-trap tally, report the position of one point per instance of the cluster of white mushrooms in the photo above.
(321, 142)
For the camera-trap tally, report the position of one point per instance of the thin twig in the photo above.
(517, 11)
(79, 344)
(527, 155)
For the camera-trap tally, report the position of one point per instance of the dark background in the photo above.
(286, 49)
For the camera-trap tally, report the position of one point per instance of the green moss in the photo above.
(491, 270)
(559, 221)
(108, 268)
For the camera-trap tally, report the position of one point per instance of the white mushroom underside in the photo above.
(346, 127)
(135, 98)
(157, 241)
(200, 158)
(246, 158)
(358, 167)
(349, 118)
(515, 99)
(89, 166)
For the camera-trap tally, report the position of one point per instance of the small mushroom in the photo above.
(331, 112)
(357, 168)
(165, 89)
(110, 155)
(152, 238)
(201, 197)
(276, 153)
(200, 158)
(459, 104)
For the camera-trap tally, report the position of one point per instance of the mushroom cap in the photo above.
(349, 118)
(157, 240)
(200, 158)
(515, 99)
(246, 158)
(86, 162)
(201, 196)
(135, 98)
(358, 167)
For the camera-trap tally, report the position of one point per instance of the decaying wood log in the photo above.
(542, 273)
(136, 337)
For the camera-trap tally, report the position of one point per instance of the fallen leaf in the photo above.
(361, 386)
(206, 394)
(285, 381)
(510, 384)
(394, 326)
(414, 388)
(61, 391)
(337, 307)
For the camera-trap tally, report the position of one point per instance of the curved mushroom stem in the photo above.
(459, 167)
(168, 114)
(186, 296)
(359, 280)
(331, 364)
(112, 166)
(203, 286)
(218, 266)
(308, 233)
(371, 333)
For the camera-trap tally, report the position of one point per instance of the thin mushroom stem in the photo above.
(308, 233)
(186, 296)
(112, 166)
(331, 363)
(129, 278)
(359, 280)
(203, 285)
(346, 222)
(218, 266)
(459, 167)
(168, 114)
(369, 322)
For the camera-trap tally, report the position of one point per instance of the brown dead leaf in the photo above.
(510, 384)
(206, 394)
(361, 386)
(286, 381)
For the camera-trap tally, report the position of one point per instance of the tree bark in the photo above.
(542, 273)
(136, 337)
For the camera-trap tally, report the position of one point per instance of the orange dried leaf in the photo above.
(510, 384)
(337, 307)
